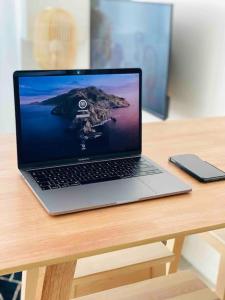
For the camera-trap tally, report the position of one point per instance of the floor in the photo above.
(185, 265)
(10, 287)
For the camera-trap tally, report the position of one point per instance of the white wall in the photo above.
(8, 63)
(198, 66)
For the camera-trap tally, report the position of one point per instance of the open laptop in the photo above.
(79, 140)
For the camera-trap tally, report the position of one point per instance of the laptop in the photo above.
(79, 140)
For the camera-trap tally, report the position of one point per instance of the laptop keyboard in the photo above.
(65, 176)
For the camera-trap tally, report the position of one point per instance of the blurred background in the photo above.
(189, 40)
(197, 63)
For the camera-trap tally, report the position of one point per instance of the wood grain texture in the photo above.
(110, 281)
(30, 280)
(58, 281)
(176, 248)
(113, 269)
(40, 284)
(29, 237)
(32, 284)
(179, 286)
(149, 255)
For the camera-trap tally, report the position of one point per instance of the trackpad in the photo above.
(97, 195)
(122, 191)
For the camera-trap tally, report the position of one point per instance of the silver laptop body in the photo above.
(85, 120)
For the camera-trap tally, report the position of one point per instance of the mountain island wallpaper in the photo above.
(69, 116)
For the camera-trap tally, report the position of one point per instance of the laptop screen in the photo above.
(77, 116)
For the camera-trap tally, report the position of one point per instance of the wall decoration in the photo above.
(127, 33)
(54, 43)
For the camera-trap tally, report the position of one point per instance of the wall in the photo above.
(198, 66)
(8, 63)
(16, 22)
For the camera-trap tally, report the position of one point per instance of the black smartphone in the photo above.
(198, 168)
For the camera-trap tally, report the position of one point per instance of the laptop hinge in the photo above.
(78, 163)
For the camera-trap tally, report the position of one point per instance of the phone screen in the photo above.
(193, 164)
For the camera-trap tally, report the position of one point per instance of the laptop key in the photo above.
(61, 177)
(45, 188)
(54, 187)
(75, 183)
(88, 181)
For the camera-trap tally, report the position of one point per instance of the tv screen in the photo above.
(131, 34)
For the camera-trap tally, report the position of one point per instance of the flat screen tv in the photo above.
(126, 33)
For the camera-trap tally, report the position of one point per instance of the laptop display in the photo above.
(78, 115)
(79, 135)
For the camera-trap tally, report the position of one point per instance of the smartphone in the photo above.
(197, 168)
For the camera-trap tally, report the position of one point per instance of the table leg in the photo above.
(30, 280)
(58, 281)
(176, 246)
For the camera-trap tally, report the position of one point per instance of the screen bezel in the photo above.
(19, 74)
(165, 112)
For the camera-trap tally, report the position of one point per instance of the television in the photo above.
(126, 33)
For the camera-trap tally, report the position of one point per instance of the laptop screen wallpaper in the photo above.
(71, 116)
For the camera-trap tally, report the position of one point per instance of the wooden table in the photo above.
(29, 238)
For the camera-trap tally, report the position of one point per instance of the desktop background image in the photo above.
(73, 116)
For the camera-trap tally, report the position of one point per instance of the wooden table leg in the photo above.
(58, 281)
(175, 246)
(29, 284)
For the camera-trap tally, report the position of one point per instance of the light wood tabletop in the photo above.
(30, 238)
